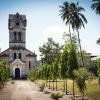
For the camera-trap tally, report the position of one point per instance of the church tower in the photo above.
(17, 31)
(20, 59)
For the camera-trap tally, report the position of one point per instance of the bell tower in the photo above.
(17, 30)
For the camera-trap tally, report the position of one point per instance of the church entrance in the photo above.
(17, 73)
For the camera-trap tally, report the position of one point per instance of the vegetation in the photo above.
(96, 6)
(64, 66)
(81, 76)
(71, 13)
(4, 72)
(60, 63)
(50, 51)
(56, 96)
(98, 70)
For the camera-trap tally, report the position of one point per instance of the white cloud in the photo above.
(56, 32)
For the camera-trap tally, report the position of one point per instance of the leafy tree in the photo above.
(4, 72)
(50, 51)
(98, 70)
(55, 72)
(64, 65)
(72, 58)
(72, 62)
(33, 74)
(96, 6)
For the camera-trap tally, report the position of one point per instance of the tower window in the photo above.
(15, 56)
(19, 55)
(29, 65)
(15, 36)
(19, 36)
(17, 24)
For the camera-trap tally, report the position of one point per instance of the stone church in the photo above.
(20, 59)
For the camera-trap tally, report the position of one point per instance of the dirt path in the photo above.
(23, 90)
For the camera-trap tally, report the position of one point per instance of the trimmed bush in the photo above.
(42, 86)
(56, 96)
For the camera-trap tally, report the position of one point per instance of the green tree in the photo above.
(72, 62)
(98, 70)
(49, 51)
(33, 74)
(55, 72)
(96, 6)
(4, 72)
(64, 65)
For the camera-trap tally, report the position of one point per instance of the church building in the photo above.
(20, 59)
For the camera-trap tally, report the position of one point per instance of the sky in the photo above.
(43, 21)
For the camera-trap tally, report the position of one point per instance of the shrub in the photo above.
(42, 87)
(12, 82)
(56, 96)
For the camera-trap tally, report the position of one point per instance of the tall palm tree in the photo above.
(66, 14)
(96, 6)
(78, 21)
(71, 14)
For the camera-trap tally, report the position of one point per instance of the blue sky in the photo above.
(44, 21)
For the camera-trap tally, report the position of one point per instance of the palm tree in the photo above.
(98, 41)
(66, 14)
(78, 21)
(96, 6)
(71, 14)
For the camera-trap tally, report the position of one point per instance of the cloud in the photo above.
(56, 32)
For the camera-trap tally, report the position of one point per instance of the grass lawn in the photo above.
(93, 89)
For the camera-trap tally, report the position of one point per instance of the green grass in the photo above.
(93, 89)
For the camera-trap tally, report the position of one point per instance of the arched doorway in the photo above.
(17, 73)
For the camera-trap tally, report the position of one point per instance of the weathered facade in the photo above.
(20, 59)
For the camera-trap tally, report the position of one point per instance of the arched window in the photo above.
(15, 56)
(19, 36)
(15, 36)
(17, 23)
(29, 65)
(20, 56)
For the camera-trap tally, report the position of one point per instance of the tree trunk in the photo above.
(70, 33)
(53, 84)
(49, 84)
(82, 96)
(80, 49)
(46, 83)
(66, 86)
(56, 84)
(73, 90)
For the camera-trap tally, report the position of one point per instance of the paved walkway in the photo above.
(23, 90)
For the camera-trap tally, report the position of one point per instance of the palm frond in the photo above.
(96, 6)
